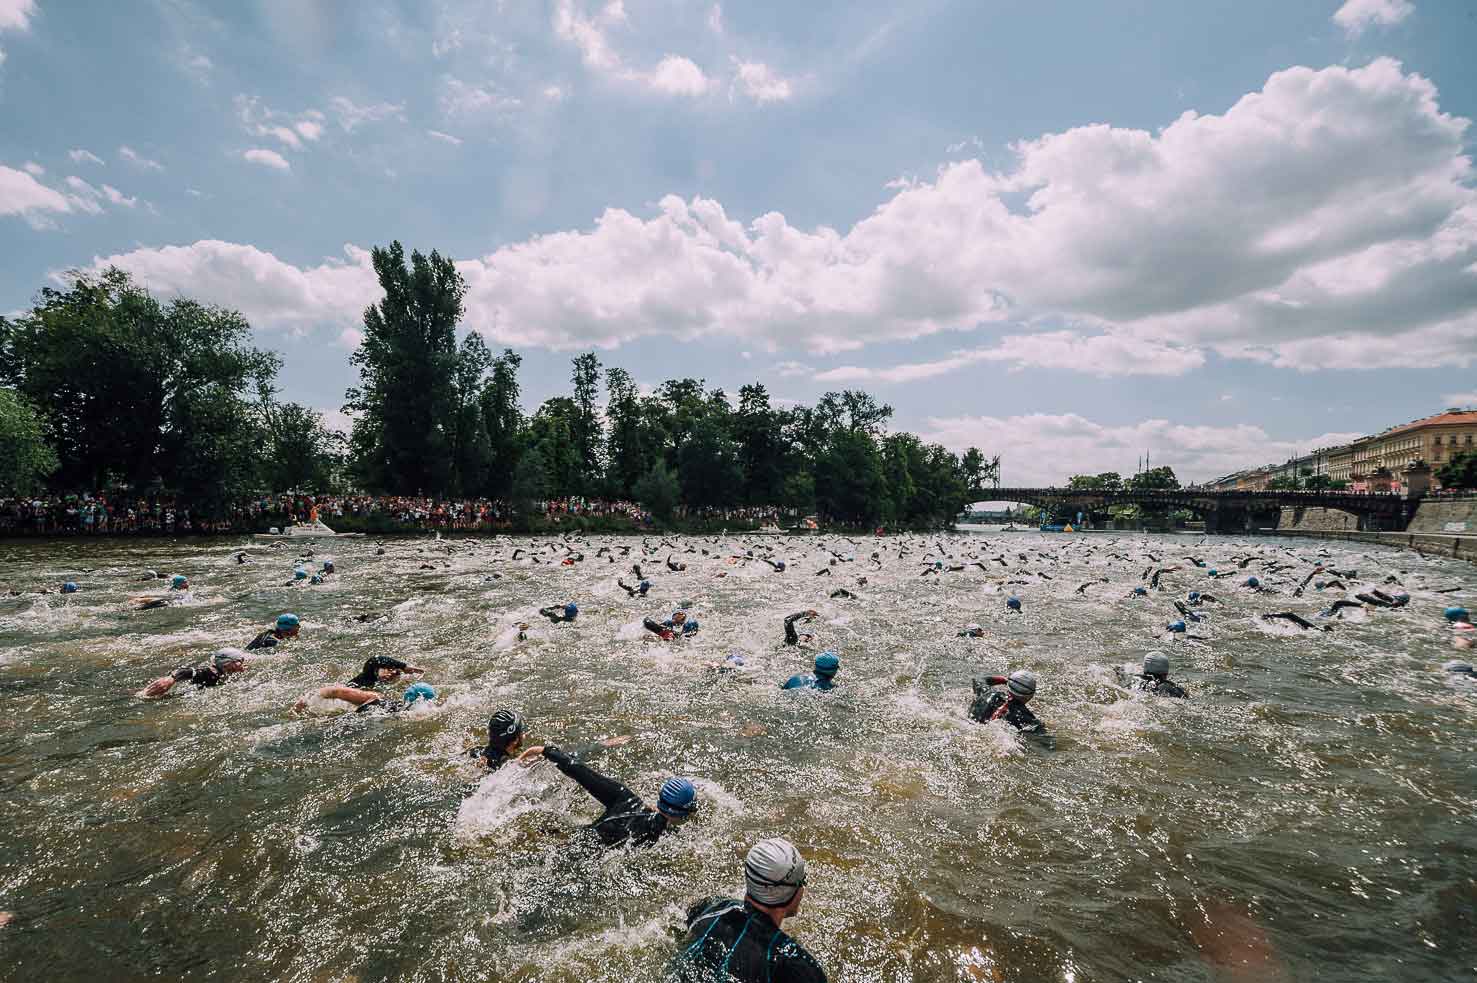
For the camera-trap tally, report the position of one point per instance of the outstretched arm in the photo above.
(607, 791)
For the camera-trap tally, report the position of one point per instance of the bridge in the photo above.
(1223, 511)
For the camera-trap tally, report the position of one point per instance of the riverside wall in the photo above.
(1443, 527)
(1316, 519)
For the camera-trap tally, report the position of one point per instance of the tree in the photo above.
(849, 487)
(551, 433)
(26, 460)
(300, 451)
(625, 450)
(1155, 479)
(1459, 472)
(1106, 481)
(585, 427)
(470, 448)
(762, 454)
(118, 380)
(657, 491)
(406, 401)
(530, 481)
(708, 465)
(502, 419)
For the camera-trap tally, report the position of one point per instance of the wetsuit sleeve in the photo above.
(183, 674)
(698, 908)
(791, 636)
(607, 791)
(387, 662)
(798, 966)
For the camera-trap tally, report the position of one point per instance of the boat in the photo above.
(313, 529)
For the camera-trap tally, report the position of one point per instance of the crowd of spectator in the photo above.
(123, 514)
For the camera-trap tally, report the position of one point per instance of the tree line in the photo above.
(102, 385)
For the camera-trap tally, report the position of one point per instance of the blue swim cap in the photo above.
(316, 579)
(1141, 591)
(1253, 582)
(1210, 572)
(780, 566)
(69, 588)
(644, 585)
(1176, 626)
(419, 691)
(1319, 584)
(1194, 596)
(328, 566)
(678, 797)
(286, 622)
(179, 580)
(299, 573)
(735, 660)
(1014, 603)
(571, 609)
(826, 664)
(1457, 614)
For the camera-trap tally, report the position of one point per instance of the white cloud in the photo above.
(309, 129)
(1082, 446)
(21, 194)
(678, 76)
(1357, 15)
(79, 155)
(445, 137)
(554, 93)
(443, 46)
(586, 34)
(350, 338)
(34, 169)
(1100, 355)
(197, 66)
(15, 15)
(288, 129)
(715, 19)
(460, 98)
(89, 199)
(1326, 221)
(117, 197)
(267, 158)
(760, 82)
(336, 420)
(194, 193)
(1460, 399)
(137, 159)
(351, 115)
(789, 370)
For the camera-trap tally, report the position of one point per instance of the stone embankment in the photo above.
(1443, 527)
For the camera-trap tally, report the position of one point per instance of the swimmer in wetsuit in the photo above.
(1008, 704)
(179, 587)
(1380, 599)
(678, 624)
(742, 941)
(222, 665)
(626, 818)
(504, 739)
(382, 670)
(641, 587)
(1155, 680)
(287, 627)
(792, 637)
(1296, 619)
(365, 700)
(675, 567)
(826, 667)
(971, 630)
(558, 615)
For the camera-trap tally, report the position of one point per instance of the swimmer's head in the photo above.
(419, 691)
(774, 873)
(228, 660)
(287, 624)
(179, 582)
(1022, 684)
(1459, 666)
(1141, 591)
(69, 588)
(678, 617)
(505, 730)
(1455, 614)
(1253, 582)
(780, 566)
(299, 573)
(151, 574)
(1319, 584)
(1176, 626)
(827, 664)
(677, 799)
(571, 609)
(1210, 572)
(1156, 664)
(1013, 602)
(328, 566)
(1194, 597)
(734, 659)
(973, 629)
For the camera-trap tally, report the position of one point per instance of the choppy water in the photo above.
(1308, 815)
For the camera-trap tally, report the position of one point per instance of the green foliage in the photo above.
(1459, 472)
(1155, 479)
(301, 453)
(406, 401)
(658, 491)
(502, 421)
(530, 481)
(1107, 481)
(25, 457)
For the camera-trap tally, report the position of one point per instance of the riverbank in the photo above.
(1425, 543)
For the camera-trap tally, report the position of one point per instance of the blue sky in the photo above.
(1063, 232)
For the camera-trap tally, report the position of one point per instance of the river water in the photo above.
(1308, 814)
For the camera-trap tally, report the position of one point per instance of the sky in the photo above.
(1221, 233)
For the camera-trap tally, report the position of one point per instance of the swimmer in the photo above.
(69, 588)
(777, 565)
(678, 624)
(1338, 606)
(742, 940)
(1155, 678)
(1296, 619)
(626, 818)
(1459, 672)
(793, 637)
(178, 586)
(223, 664)
(504, 739)
(1459, 618)
(328, 568)
(733, 663)
(242, 558)
(365, 700)
(1013, 603)
(382, 670)
(971, 630)
(1380, 599)
(1008, 704)
(675, 567)
(826, 667)
(558, 615)
(152, 575)
(287, 627)
(641, 587)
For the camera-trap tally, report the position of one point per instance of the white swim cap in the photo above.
(774, 871)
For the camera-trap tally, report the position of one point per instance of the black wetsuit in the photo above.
(392, 706)
(664, 632)
(1382, 600)
(995, 704)
(625, 818)
(199, 675)
(731, 940)
(1159, 686)
(792, 637)
(493, 757)
(1296, 619)
(556, 614)
(267, 639)
(368, 677)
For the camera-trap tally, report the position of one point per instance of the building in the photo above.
(1257, 479)
(1341, 463)
(1379, 459)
